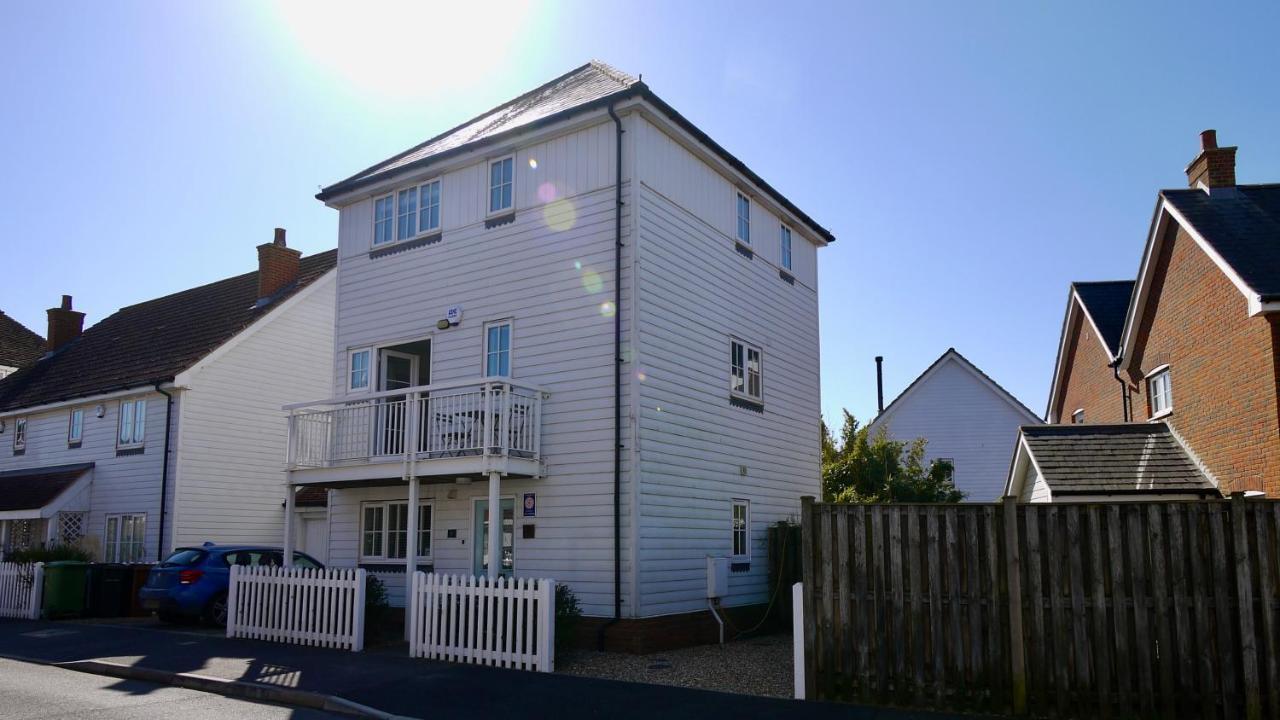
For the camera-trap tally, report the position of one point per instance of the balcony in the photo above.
(443, 430)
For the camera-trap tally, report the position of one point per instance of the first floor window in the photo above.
(1160, 390)
(429, 206)
(501, 182)
(786, 247)
(407, 214)
(383, 219)
(497, 350)
(741, 529)
(1077, 417)
(384, 530)
(75, 427)
(133, 422)
(124, 538)
(359, 370)
(19, 434)
(744, 219)
(745, 370)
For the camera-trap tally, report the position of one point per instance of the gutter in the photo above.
(617, 382)
(164, 469)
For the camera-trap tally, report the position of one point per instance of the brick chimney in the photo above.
(278, 265)
(1214, 167)
(65, 325)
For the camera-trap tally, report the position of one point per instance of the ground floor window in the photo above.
(741, 530)
(124, 536)
(384, 530)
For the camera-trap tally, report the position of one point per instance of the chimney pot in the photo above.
(279, 238)
(278, 265)
(65, 325)
(1215, 167)
(1208, 139)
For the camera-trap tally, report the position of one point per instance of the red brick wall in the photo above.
(1089, 382)
(1223, 368)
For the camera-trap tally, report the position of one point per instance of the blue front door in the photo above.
(480, 537)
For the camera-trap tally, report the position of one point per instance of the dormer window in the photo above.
(501, 184)
(744, 219)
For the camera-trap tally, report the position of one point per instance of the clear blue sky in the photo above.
(971, 158)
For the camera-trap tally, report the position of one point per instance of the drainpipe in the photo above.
(617, 381)
(1124, 391)
(164, 469)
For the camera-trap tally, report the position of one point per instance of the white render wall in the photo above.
(234, 435)
(128, 483)
(962, 418)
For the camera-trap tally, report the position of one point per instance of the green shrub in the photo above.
(568, 613)
(50, 553)
(377, 611)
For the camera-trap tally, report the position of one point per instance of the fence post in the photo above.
(807, 600)
(547, 599)
(1244, 590)
(233, 596)
(357, 642)
(1017, 655)
(797, 639)
(37, 592)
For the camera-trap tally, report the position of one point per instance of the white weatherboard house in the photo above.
(198, 376)
(966, 419)
(579, 308)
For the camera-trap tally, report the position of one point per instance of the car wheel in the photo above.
(215, 613)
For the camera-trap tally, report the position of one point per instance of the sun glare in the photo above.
(383, 48)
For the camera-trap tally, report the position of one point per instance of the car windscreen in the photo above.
(185, 557)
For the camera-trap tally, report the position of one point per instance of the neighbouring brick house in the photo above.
(1198, 347)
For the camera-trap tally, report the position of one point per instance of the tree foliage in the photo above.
(858, 467)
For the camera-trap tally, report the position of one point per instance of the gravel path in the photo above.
(759, 666)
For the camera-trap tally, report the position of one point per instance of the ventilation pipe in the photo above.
(879, 384)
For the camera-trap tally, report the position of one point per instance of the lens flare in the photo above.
(607, 309)
(546, 192)
(560, 215)
(641, 375)
(577, 264)
(592, 282)
(533, 164)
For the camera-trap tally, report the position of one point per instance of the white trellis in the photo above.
(21, 587)
(322, 607)
(503, 622)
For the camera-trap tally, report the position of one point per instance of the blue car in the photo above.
(191, 584)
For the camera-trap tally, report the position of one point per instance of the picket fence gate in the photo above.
(505, 622)
(21, 587)
(320, 607)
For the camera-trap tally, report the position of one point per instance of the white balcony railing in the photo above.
(491, 417)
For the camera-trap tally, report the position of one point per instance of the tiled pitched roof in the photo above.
(1242, 226)
(589, 87)
(153, 341)
(33, 488)
(19, 346)
(311, 496)
(1107, 302)
(1128, 458)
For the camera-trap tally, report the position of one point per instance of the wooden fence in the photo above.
(322, 607)
(20, 590)
(1071, 610)
(507, 622)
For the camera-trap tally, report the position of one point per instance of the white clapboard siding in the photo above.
(321, 607)
(20, 590)
(505, 622)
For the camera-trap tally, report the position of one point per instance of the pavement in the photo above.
(28, 692)
(383, 682)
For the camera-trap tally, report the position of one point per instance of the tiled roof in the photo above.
(1107, 302)
(1243, 226)
(153, 341)
(33, 488)
(1128, 458)
(311, 496)
(19, 346)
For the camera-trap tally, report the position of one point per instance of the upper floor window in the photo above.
(501, 181)
(744, 219)
(359, 367)
(1077, 417)
(19, 434)
(1160, 392)
(406, 213)
(497, 349)
(75, 426)
(384, 220)
(429, 206)
(786, 247)
(744, 369)
(133, 422)
(741, 530)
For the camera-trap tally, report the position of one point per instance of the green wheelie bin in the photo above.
(64, 588)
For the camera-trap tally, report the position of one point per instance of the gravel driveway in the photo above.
(758, 666)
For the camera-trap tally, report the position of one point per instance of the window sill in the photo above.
(1161, 415)
(19, 451)
(135, 450)
(743, 249)
(399, 246)
(786, 277)
(501, 218)
(746, 403)
(739, 564)
(73, 445)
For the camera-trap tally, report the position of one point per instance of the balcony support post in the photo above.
(411, 554)
(495, 525)
(289, 497)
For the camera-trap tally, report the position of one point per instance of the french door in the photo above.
(396, 371)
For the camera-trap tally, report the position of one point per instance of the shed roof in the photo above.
(1111, 459)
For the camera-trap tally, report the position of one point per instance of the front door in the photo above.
(480, 537)
(396, 371)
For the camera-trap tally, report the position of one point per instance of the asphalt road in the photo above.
(30, 691)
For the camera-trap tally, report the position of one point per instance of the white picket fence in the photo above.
(20, 590)
(297, 605)
(507, 622)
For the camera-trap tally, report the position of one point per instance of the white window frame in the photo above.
(1077, 417)
(439, 205)
(391, 235)
(949, 461)
(113, 549)
(402, 214)
(745, 530)
(138, 431)
(745, 374)
(489, 186)
(742, 229)
(1157, 375)
(511, 347)
(19, 434)
(784, 240)
(385, 532)
(75, 427)
(368, 370)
